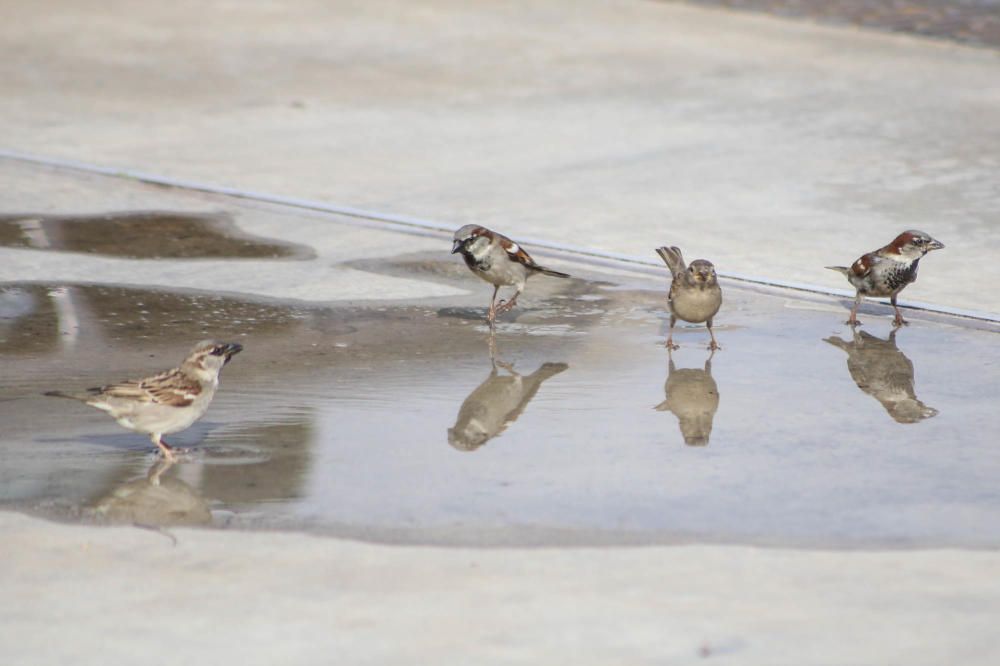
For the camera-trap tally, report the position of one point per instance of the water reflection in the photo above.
(142, 235)
(158, 498)
(496, 403)
(884, 372)
(693, 397)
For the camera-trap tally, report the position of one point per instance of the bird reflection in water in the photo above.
(693, 397)
(884, 372)
(156, 500)
(496, 403)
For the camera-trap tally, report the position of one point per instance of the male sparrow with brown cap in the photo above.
(887, 271)
(165, 403)
(694, 296)
(499, 261)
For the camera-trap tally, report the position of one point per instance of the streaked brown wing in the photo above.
(516, 252)
(170, 388)
(863, 265)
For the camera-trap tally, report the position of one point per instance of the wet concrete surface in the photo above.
(140, 235)
(379, 407)
(393, 423)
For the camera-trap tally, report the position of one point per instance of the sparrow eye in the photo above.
(218, 351)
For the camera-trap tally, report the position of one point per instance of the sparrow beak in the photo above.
(456, 246)
(232, 349)
(935, 245)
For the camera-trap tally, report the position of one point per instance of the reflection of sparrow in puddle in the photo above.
(165, 403)
(499, 261)
(693, 397)
(887, 271)
(496, 403)
(882, 371)
(155, 500)
(694, 296)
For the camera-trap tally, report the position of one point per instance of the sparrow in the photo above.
(496, 403)
(884, 372)
(887, 271)
(499, 261)
(694, 296)
(165, 403)
(693, 396)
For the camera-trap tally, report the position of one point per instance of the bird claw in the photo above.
(899, 321)
(714, 346)
(853, 322)
(671, 346)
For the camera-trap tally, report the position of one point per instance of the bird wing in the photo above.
(171, 388)
(516, 252)
(863, 266)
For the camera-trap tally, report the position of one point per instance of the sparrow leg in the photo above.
(491, 314)
(712, 346)
(898, 321)
(169, 452)
(670, 335)
(166, 450)
(853, 319)
(505, 306)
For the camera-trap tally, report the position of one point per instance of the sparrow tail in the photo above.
(60, 394)
(673, 258)
(840, 269)
(549, 271)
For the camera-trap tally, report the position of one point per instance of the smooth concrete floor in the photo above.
(772, 147)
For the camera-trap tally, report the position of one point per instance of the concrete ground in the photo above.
(772, 147)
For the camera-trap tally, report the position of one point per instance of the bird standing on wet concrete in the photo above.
(695, 295)
(165, 403)
(887, 271)
(499, 261)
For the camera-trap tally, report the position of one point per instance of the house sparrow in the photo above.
(693, 397)
(694, 296)
(498, 260)
(887, 271)
(496, 403)
(884, 372)
(165, 403)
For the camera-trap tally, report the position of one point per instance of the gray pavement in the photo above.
(772, 147)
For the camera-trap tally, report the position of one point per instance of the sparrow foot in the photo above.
(853, 322)
(671, 346)
(899, 321)
(714, 346)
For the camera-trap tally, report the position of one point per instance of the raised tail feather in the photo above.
(672, 257)
(840, 269)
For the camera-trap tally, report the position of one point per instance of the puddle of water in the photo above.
(394, 423)
(142, 235)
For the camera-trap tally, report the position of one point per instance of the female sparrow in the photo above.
(165, 403)
(694, 296)
(887, 271)
(499, 261)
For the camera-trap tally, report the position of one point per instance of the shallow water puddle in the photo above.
(394, 423)
(142, 235)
